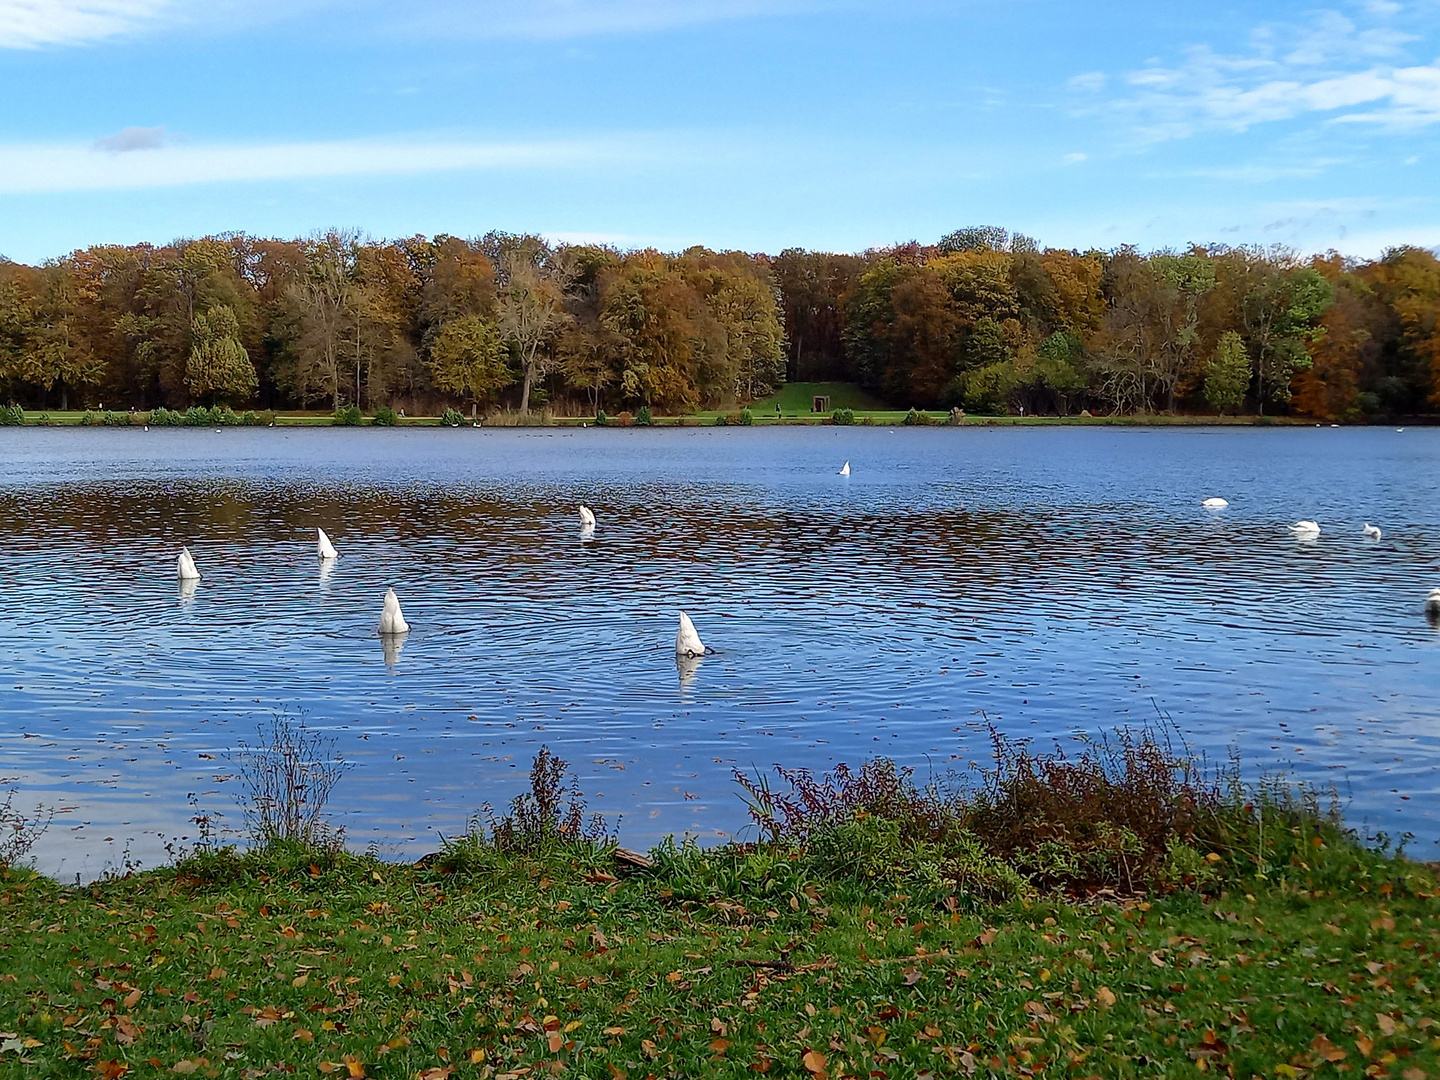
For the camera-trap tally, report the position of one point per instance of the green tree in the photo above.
(219, 368)
(1227, 376)
(468, 359)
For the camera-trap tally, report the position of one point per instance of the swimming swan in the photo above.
(1371, 532)
(587, 518)
(845, 469)
(323, 545)
(1215, 504)
(185, 566)
(1305, 528)
(1432, 604)
(687, 641)
(391, 620)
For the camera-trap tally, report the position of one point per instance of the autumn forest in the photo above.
(982, 320)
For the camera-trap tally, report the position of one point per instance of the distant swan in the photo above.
(1371, 532)
(587, 518)
(1305, 528)
(845, 469)
(391, 620)
(185, 566)
(687, 641)
(1215, 504)
(324, 546)
(1432, 604)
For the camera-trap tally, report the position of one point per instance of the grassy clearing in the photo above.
(877, 930)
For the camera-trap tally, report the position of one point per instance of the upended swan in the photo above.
(687, 641)
(324, 547)
(1432, 604)
(1215, 504)
(845, 469)
(1372, 532)
(185, 566)
(391, 620)
(587, 518)
(1305, 528)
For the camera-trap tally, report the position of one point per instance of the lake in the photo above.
(1049, 581)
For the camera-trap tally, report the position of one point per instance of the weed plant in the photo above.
(843, 416)
(287, 779)
(348, 416)
(452, 418)
(11, 416)
(385, 417)
(917, 418)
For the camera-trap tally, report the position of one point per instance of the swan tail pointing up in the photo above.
(687, 641)
(185, 566)
(323, 545)
(391, 619)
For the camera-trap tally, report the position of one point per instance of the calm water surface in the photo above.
(1051, 582)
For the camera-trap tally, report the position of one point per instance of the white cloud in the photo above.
(1331, 68)
(581, 18)
(30, 24)
(1090, 82)
(1075, 159)
(28, 168)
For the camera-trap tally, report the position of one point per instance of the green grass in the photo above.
(796, 398)
(244, 967)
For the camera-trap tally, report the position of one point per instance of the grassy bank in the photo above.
(1111, 915)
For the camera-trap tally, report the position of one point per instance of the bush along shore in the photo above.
(1112, 913)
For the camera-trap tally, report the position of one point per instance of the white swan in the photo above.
(1305, 528)
(391, 620)
(1215, 504)
(185, 566)
(687, 641)
(845, 469)
(1371, 532)
(587, 518)
(323, 545)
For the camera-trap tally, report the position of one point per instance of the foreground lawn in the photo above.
(248, 967)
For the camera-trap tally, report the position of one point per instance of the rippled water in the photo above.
(1051, 581)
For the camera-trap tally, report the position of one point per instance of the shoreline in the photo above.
(721, 419)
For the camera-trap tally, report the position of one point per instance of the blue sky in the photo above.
(754, 124)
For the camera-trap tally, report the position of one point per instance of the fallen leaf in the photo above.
(1386, 1024)
(1105, 996)
(437, 1074)
(133, 998)
(185, 1066)
(555, 1041)
(355, 1067)
(304, 1035)
(987, 938)
(615, 1031)
(719, 1046)
(1327, 1050)
(814, 1063)
(648, 1045)
(912, 976)
(299, 980)
(111, 1070)
(126, 1032)
(1364, 1045)
(1414, 1074)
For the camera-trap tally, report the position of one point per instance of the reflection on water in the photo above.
(392, 644)
(1047, 581)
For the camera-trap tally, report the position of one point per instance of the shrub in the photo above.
(266, 418)
(196, 416)
(249, 419)
(842, 416)
(721, 420)
(917, 418)
(19, 832)
(867, 421)
(115, 419)
(11, 416)
(163, 417)
(452, 418)
(385, 417)
(91, 418)
(348, 416)
(224, 416)
(287, 779)
(600, 418)
(643, 417)
(624, 419)
(746, 417)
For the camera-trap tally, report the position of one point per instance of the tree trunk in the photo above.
(525, 392)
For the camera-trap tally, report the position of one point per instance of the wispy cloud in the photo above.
(28, 168)
(31, 24)
(131, 139)
(1331, 68)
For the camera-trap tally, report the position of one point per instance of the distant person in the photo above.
(778, 414)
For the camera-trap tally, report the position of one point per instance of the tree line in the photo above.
(982, 320)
